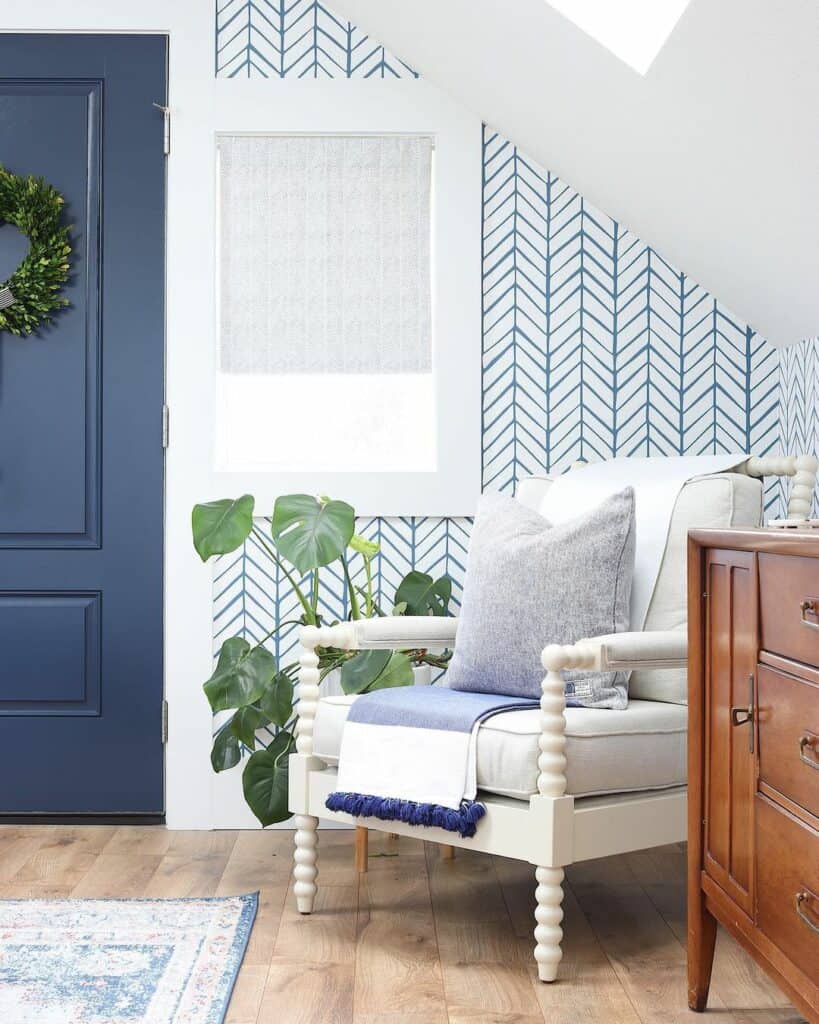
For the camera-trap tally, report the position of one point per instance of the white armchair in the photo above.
(572, 784)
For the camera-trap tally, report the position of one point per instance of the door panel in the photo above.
(49, 494)
(81, 459)
(62, 676)
(729, 761)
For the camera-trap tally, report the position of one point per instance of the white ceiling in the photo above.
(712, 157)
(634, 30)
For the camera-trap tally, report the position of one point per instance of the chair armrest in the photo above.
(390, 632)
(393, 631)
(658, 649)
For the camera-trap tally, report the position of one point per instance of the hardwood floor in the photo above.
(420, 938)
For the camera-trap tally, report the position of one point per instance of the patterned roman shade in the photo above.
(324, 254)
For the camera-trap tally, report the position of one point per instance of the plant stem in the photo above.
(369, 571)
(375, 606)
(355, 611)
(315, 593)
(276, 628)
(335, 660)
(284, 752)
(308, 611)
(423, 657)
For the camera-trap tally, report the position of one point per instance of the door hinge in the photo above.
(166, 127)
(164, 721)
(166, 425)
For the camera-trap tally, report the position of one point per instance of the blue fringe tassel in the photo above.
(462, 821)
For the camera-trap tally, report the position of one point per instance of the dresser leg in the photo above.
(702, 935)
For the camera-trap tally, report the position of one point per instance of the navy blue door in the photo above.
(81, 457)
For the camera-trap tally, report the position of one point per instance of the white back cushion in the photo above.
(719, 501)
(531, 491)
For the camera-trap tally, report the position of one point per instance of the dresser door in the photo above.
(731, 657)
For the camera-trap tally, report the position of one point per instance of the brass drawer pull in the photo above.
(745, 716)
(808, 606)
(808, 743)
(804, 897)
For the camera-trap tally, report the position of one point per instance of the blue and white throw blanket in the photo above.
(409, 754)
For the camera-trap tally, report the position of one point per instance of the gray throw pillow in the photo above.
(529, 584)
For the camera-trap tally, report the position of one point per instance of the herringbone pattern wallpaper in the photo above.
(595, 346)
(302, 38)
(799, 399)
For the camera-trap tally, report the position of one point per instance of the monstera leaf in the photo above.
(420, 594)
(242, 675)
(363, 669)
(221, 526)
(398, 672)
(264, 780)
(277, 700)
(246, 722)
(375, 670)
(311, 533)
(226, 752)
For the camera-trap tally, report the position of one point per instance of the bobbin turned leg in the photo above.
(551, 786)
(548, 914)
(305, 856)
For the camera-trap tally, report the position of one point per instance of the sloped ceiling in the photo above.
(712, 157)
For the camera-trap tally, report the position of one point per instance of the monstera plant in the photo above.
(306, 535)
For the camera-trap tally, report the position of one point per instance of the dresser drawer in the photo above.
(788, 716)
(788, 885)
(789, 598)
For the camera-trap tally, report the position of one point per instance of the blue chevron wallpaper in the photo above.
(299, 38)
(593, 345)
(799, 401)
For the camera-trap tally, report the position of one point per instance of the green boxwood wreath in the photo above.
(35, 209)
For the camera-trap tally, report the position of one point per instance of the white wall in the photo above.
(712, 158)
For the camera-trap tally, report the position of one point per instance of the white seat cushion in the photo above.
(643, 747)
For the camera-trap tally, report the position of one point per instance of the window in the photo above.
(633, 30)
(326, 356)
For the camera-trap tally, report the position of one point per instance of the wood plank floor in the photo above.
(417, 939)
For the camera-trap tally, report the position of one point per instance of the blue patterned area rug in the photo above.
(121, 961)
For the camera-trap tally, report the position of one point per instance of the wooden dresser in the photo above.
(753, 760)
